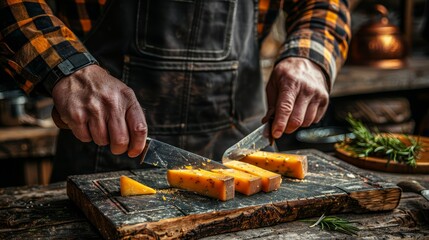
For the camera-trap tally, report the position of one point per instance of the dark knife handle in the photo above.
(410, 186)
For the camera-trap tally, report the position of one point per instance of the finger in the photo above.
(296, 118)
(57, 119)
(98, 130)
(78, 123)
(284, 108)
(310, 115)
(118, 133)
(321, 111)
(81, 132)
(137, 130)
(273, 99)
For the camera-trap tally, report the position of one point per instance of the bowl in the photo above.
(322, 138)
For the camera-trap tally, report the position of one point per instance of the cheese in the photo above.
(289, 165)
(270, 181)
(245, 183)
(211, 184)
(130, 187)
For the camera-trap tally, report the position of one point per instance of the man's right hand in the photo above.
(98, 107)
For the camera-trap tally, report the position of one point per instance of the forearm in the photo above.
(318, 30)
(33, 41)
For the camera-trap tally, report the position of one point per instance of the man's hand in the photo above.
(297, 95)
(98, 107)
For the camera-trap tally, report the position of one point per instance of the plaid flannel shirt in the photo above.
(33, 40)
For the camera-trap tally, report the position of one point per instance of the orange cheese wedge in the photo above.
(245, 183)
(270, 181)
(130, 187)
(289, 165)
(211, 184)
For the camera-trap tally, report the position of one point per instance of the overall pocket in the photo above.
(185, 29)
(183, 97)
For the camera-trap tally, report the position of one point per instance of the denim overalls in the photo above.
(194, 66)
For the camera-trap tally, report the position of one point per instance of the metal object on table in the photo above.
(379, 43)
(257, 140)
(414, 186)
(163, 155)
(322, 138)
(12, 107)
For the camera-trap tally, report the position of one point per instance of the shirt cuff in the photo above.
(314, 47)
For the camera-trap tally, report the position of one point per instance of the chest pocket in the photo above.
(186, 29)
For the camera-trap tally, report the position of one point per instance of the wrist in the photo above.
(66, 68)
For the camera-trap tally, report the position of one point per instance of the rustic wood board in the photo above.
(331, 186)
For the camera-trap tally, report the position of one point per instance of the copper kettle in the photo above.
(379, 43)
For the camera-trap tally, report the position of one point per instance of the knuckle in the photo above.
(281, 68)
(324, 101)
(94, 108)
(309, 91)
(128, 93)
(78, 118)
(286, 107)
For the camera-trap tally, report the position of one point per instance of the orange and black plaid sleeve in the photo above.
(320, 31)
(33, 41)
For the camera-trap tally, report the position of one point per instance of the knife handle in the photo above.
(410, 186)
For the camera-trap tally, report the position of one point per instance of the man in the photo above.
(193, 66)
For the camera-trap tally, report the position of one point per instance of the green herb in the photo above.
(365, 144)
(333, 223)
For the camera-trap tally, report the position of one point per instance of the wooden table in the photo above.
(33, 146)
(45, 212)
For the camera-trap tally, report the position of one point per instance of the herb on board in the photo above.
(333, 223)
(365, 143)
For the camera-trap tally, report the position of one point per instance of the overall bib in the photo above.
(194, 66)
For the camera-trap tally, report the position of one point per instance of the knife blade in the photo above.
(414, 186)
(257, 140)
(163, 155)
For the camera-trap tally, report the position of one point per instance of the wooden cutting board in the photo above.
(381, 164)
(331, 186)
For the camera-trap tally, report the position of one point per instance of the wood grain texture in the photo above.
(26, 142)
(331, 186)
(356, 80)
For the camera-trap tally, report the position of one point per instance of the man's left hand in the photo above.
(297, 95)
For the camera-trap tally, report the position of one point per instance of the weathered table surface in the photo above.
(45, 212)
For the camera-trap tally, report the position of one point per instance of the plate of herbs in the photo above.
(388, 152)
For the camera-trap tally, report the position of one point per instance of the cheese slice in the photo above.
(270, 181)
(211, 184)
(289, 165)
(245, 183)
(130, 187)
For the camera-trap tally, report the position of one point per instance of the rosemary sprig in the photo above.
(367, 144)
(333, 223)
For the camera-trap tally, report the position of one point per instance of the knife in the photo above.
(163, 155)
(414, 186)
(257, 140)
